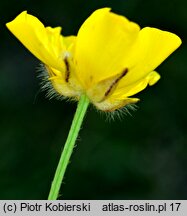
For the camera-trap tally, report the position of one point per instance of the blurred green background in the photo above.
(143, 156)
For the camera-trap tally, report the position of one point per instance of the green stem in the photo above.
(68, 147)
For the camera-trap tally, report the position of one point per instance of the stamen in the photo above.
(114, 83)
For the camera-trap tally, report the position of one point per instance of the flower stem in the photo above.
(68, 147)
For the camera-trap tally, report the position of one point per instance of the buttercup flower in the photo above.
(110, 59)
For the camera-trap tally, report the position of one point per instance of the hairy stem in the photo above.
(68, 147)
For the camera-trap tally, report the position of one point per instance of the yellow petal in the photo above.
(45, 43)
(103, 42)
(152, 47)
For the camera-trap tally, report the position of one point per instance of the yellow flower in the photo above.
(109, 60)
